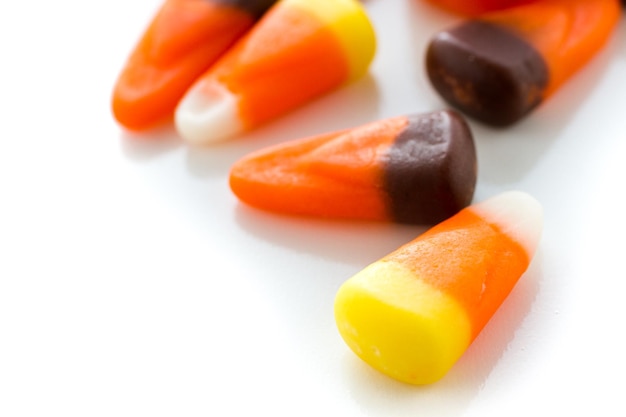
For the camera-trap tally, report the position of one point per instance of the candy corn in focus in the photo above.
(417, 169)
(412, 314)
(498, 67)
(298, 51)
(183, 40)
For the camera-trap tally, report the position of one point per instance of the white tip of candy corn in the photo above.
(208, 113)
(517, 214)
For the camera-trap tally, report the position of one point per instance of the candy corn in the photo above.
(476, 7)
(299, 50)
(498, 67)
(413, 313)
(183, 40)
(411, 169)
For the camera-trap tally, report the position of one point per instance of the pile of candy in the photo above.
(217, 68)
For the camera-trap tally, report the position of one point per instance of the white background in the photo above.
(133, 283)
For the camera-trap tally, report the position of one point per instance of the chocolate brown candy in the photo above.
(255, 7)
(431, 169)
(487, 72)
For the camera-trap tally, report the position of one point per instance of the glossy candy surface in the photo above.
(300, 50)
(412, 169)
(412, 314)
(183, 40)
(498, 67)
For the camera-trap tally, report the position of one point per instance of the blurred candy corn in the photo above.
(498, 67)
(298, 51)
(183, 40)
(476, 7)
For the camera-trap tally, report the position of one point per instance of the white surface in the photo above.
(132, 283)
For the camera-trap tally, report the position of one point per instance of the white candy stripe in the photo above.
(207, 113)
(517, 214)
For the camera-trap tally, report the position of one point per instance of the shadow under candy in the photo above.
(142, 146)
(356, 243)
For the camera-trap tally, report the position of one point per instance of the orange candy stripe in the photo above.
(476, 7)
(567, 33)
(272, 73)
(182, 41)
(334, 175)
(468, 258)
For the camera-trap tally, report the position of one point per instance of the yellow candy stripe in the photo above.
(349, 21)
(401, 325)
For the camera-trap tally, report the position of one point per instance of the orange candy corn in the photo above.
(412, 314)
(300, 50)
(476, 7)
(183, 40)
(412, 169)
(500, 66)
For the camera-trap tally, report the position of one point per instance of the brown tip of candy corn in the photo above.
(431, 171)
(487, 72)
(255, 7)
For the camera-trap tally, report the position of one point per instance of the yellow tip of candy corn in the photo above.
(397, 323)
(352, 27)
